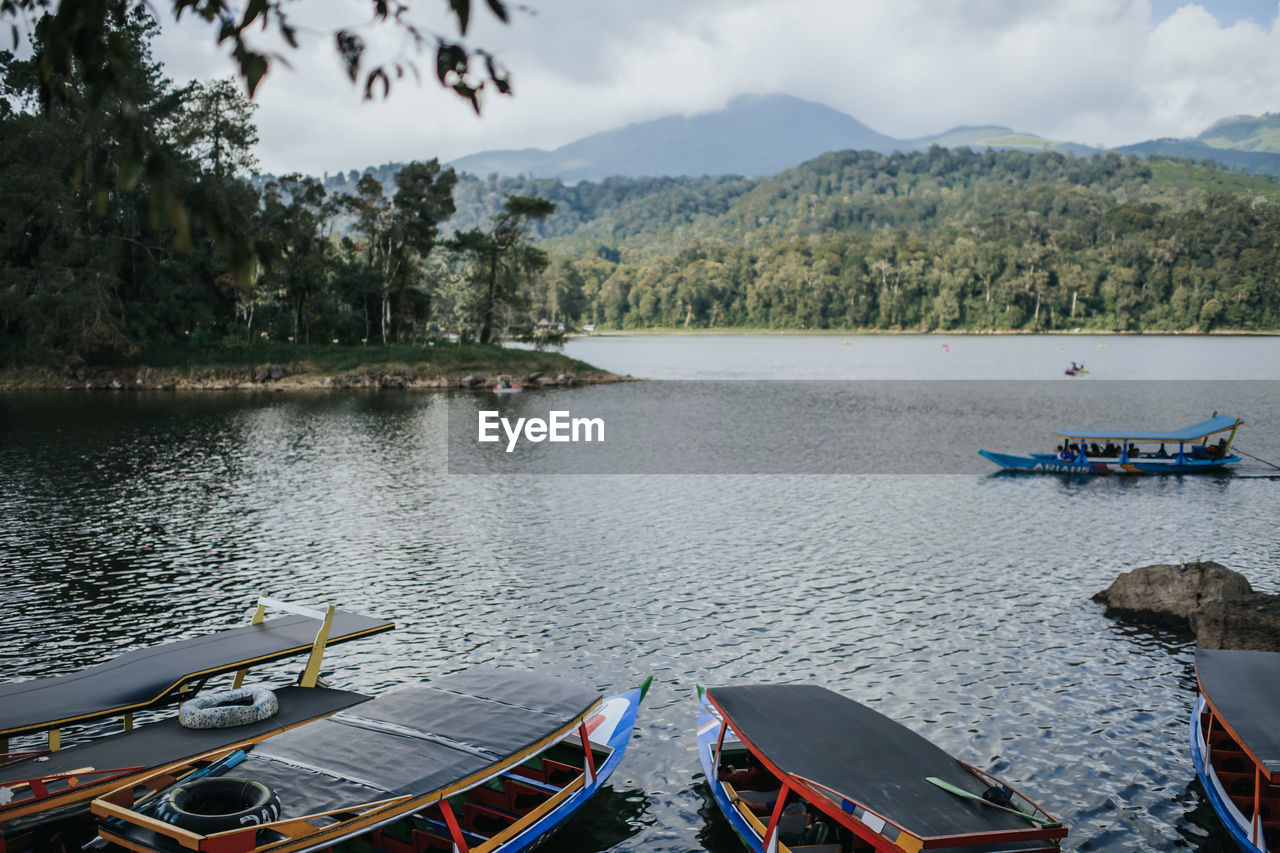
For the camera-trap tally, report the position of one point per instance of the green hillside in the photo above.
(944, 239)
(1245, 133)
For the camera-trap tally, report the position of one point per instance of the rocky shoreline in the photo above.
(284, 377)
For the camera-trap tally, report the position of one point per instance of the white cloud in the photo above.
(1091, 71)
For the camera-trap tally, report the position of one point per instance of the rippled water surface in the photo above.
(957, 604)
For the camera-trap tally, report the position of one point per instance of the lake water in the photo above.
(957, 602)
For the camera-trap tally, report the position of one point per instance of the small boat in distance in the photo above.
(796, 768)
(1076, 369)
(504, 385)
(485, 760)
(1120, 453)
(1235, 742)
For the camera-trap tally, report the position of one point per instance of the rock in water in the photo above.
(1245, 622)
(1169, 594)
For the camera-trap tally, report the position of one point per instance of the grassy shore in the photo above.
(287, 366)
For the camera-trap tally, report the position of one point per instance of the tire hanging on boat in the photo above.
(218, 803)
(227, 708)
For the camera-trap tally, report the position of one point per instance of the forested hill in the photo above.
(944, 239)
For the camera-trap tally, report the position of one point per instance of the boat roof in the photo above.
(149, 676)
(1194, 432)
(816, 735)
(417, 740)
(1244, 689)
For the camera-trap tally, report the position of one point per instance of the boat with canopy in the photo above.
(1235, 742)
(478, 761)
(47, 782)
(800, 769)
(1132, 450)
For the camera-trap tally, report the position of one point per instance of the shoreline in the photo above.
(284, 377)
(746, 330)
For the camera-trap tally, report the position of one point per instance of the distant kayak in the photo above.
(507, 389)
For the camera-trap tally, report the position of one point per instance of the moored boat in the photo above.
(800, 768)
(504, 385)
(1121, 453)
(1235, 742)
(479, 761)
(39, 786)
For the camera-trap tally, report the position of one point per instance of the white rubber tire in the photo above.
(227, 708)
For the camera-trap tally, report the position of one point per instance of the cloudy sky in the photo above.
(1105, 72)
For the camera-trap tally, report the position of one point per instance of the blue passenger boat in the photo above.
(1120, 452)
(796, 768)
(1235, 742)
(481, 761)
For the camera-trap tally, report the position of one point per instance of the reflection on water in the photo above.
(958, 605)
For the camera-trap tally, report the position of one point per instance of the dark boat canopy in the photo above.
(146, 677)
(417, 740)
(1195, 432)
(811, 733)
(1244, 689)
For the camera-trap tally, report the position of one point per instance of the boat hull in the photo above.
(709, 726)
(616, 721)
(1236, 823)
(1047, 463)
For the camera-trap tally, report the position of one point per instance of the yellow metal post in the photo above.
(312, 673)
(55, 740)
(128, 721)
(259, 616)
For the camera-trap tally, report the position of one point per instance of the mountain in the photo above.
(997, 137)
(755, 135)
(1265, 162)
(763, 135)
(1245, 133)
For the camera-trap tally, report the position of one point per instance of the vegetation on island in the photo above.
(89, 274)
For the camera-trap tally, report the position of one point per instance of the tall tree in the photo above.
(399, 233)
(502, 257)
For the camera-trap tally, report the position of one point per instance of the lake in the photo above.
(953, 599)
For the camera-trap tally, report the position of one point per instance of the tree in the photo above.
(400, 232)
(501, 257)
(296, 213)
(215, 127)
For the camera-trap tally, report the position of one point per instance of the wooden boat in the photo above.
(40, 786)
(799, 768)
(1128, 457)
(478, 761)
(1235, 742)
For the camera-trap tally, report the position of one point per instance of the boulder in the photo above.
(275, 371)
(1243, 622)
(1169, 594)
(261, 373)
(471, 381)
(566, 379)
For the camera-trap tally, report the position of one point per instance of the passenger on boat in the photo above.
(1133, 451)
(1162, 453)
(1095, 451)
(1218, 450)
(759, 803)
(1110, 450)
